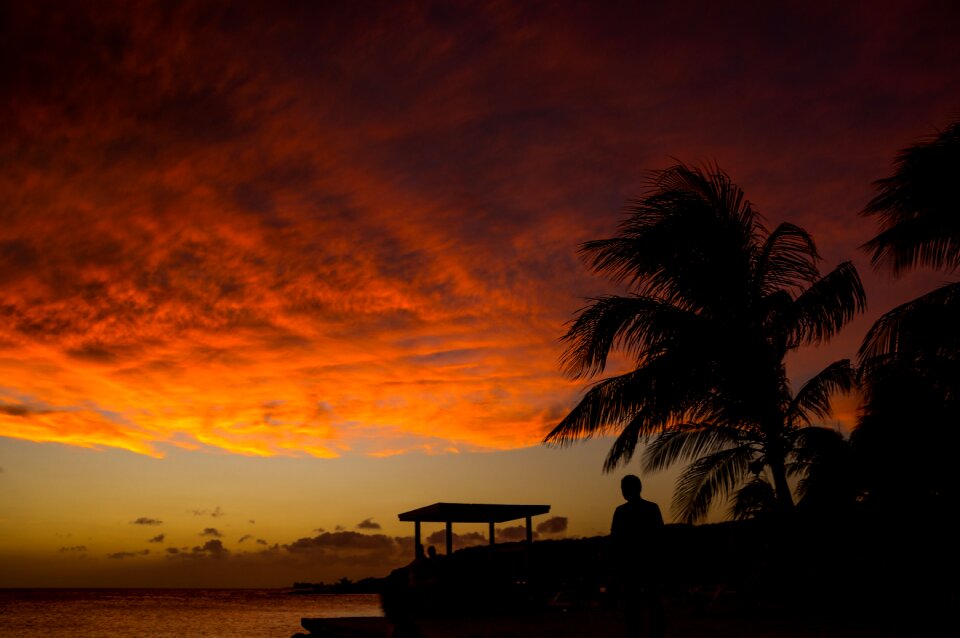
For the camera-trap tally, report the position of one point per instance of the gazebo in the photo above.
(490, 513)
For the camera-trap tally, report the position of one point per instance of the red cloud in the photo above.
(335, 236)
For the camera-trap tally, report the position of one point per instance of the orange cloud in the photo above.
(334, 236)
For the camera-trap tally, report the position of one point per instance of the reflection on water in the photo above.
(168, 613)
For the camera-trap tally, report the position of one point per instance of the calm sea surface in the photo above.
(168, 613)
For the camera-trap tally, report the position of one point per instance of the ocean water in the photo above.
(169, 613)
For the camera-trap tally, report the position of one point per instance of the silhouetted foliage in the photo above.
(919, 207)
(715, 303)
(754, 499)
(824, 460)
(848, 567)
(910, 359)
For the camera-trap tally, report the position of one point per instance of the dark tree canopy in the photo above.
(910, 359)
(918, 207)
(714, 302)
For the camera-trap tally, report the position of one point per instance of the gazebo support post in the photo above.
(489, 513)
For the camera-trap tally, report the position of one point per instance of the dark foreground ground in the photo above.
(788, 578)
(682, 623)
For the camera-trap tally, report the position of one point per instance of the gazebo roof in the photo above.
(472, 512)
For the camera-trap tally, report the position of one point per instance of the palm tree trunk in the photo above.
(775, 454)
(780, 485)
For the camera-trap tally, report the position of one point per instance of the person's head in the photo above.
(630, 487)
(432, 551)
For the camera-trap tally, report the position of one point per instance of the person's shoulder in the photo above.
(621, 515)
(650, 505)
(651, 510)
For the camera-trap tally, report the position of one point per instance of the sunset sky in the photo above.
(272, 273)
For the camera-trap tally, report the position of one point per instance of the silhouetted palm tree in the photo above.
(919, 212)
(919, 207)
(910, 358)
(824, 460)
(716, 301)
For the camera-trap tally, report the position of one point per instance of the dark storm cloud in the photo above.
(514, 533)
(261, 541)
(146, 520)
(368, 523)
(405, 542)
(439, 539)
(554, 525)
(448, 357)
(123, 555)
(21, 410)
(212, 548)
(211, 531)
(342, 541)
(96, 353)
(371, 553)
(214, 513)
(16, 256)
(245, 537)
(14, 410)
(157, 539)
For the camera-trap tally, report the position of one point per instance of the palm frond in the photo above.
(688, 441)
(812, 443)
(687, 241)
(915, 242)
(707, 478)
(753, 499)
(610, 404)
(826, 306)
(634, 324)
(919, 206)
(711, 185)
(927, 324)
(823, 461)
(669, 388)
(716, 301)
(787, 261)
(604, 406)
(812, 401)
(625, 445)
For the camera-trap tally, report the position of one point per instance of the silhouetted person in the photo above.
(433, 574)
(418, 566)
(431, 582)
(636, 536)
(398, 598)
